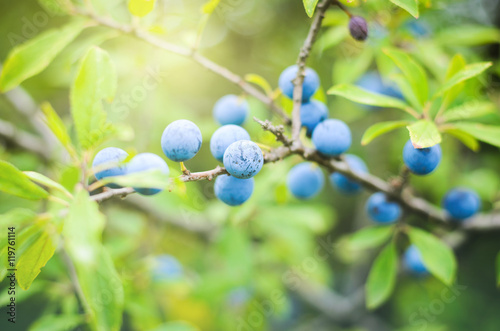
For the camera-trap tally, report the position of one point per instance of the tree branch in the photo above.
(196, 57)
(24, 140)
(301, 65)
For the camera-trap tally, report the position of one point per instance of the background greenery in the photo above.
(261, 249)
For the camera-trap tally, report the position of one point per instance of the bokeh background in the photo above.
(275, 263)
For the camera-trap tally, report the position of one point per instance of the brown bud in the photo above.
(358, 28)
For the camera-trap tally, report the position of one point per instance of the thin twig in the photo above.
(301, 65)
(24, 140)
(196, 57)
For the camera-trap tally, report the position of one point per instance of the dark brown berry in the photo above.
(358, 28)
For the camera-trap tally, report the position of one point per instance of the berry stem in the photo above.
(344, 8)
(184, 170)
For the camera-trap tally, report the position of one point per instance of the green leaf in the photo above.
(468, 35)
(141, 8)
(360, 95)
(382, 277)
(57, 127)
(259, 81)
(33, 56)
(464, 137)
(438, 258)
(469, 110)
(34, 258)
(468, 72)
(13, 181)
(143, 179)
(379, 129)
(424, 133)
(96, 273)
(95, 81)
(406, 90)
(411, 6)
(57, 322)
(488, 133)
(457, 63)
(498, 269)
(370, 237)
(46, 181)
(413, 72)
(310, 6)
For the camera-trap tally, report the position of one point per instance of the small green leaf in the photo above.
(57, 127)
(468, 72)
(488, 133)
(144, 179)
(424, 133)
(57, 322)
(464, 137)
(406, 90)
(468, 35)
(379, 129)
(360, 95)
(259, 81)
(370, 237)
(413, 72)
(437, 256)
(46, 181)
(13, 181)
(310, 6)
(469, 110)
(411, 6)
(382, 277)
(33, 56)
(457, 63)
(141, 8)
(34, 258)
(498, 269)
(95, 81)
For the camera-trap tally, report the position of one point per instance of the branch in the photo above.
(24, 140)
(190, 177)
(196, 57)
(278, 131)
(301, 65)
(405, 198)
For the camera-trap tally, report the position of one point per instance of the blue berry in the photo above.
(345, 184)
(166, 267)
(381, 210)
(145, 162)
(421, 161)
(311, 114)
(305, 180)
(233, 191)
(231, 109)
(225, 136)
(110, 156)
(243, 159)
(332, 137)
(309, 87)
(181, 140)
(461, 203)
(413, 262)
